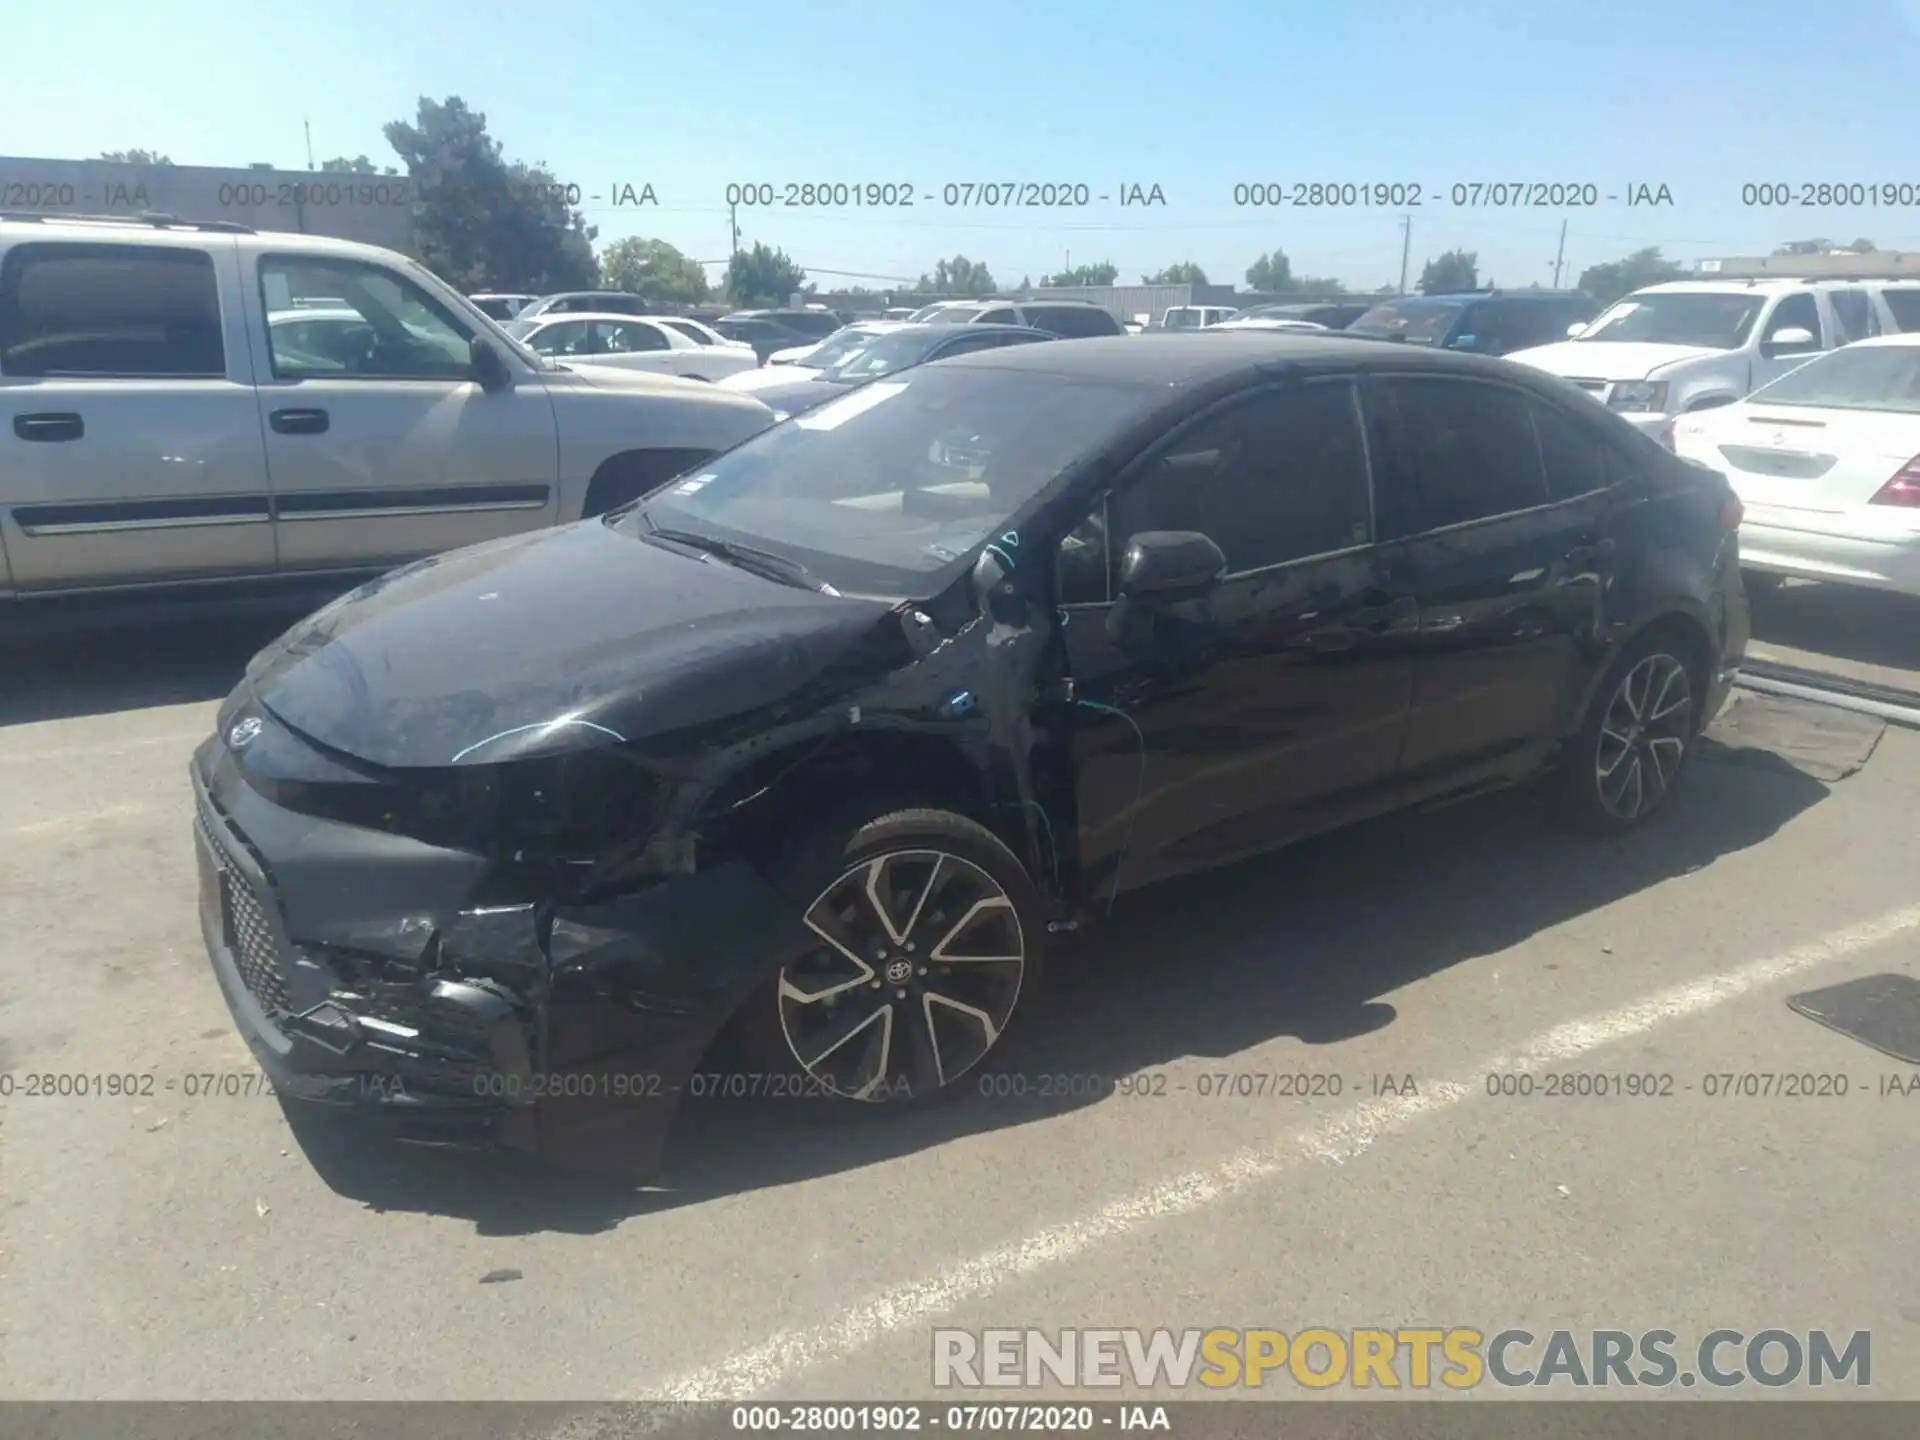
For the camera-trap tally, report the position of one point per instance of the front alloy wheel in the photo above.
(1643, 737)
(918, 970)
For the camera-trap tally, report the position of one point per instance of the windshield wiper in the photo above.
(760, 562)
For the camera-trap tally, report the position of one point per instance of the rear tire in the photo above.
(931, 940)
(1632, 749)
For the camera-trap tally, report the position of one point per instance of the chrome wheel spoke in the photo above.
(841, 1031)
(1667, 753)
(978, 910)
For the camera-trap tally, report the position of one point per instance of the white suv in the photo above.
(1694, 344)
(185, 403)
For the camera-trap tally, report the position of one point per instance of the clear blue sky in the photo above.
(1699, 95)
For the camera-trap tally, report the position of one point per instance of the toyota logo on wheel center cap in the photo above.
(898, 971)
(245, 732)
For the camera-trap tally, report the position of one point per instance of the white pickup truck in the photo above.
(1694, 344)
(191, 404)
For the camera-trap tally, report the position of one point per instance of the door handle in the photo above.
(299, 422)
(49, 426)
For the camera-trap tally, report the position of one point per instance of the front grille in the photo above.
(249, 933)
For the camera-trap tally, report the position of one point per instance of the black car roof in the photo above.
(1175, 360)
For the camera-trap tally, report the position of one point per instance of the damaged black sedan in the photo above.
(812, 749)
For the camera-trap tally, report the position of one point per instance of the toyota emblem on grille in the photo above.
(245, 732)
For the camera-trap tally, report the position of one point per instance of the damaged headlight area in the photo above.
(545, 821)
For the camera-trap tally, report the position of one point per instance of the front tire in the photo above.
(1632, 749)
(930, 938)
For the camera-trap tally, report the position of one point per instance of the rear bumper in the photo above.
(364, 981)
(1809, 549)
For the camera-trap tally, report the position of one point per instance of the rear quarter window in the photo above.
(112, 311)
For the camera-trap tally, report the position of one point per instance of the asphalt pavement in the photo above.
(182, 1248)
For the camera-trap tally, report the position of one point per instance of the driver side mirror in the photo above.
(1170, 565)
(488, 365)
(1792, 340)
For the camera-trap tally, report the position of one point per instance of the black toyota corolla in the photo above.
(813, 748)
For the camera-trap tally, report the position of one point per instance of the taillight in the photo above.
(1732, 512)
(1903, 488)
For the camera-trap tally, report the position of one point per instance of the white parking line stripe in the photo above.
(109, 747)
(754, 1372)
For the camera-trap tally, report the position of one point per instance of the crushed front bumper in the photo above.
(362, 978)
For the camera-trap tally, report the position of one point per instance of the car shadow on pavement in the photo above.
(1868, 627)
(1303, 943)
(71, 671)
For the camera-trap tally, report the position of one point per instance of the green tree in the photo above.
(1863, 247)
(958, 276)
(1805, 247)
(1185, 273)
(1607, 283)
(762, 277)
(655, 269)
(483, 222)
(1101, 272)
(1455, 270)
(135, 157)
(357, 165)
(1272, 273)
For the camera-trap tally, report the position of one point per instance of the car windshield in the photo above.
(880, 355)
(882, 490)
(1715, 320)
(692, 331)
(1858, 377)
(1419, 322)
(1181, 317)
(951, 315)
(838, 348)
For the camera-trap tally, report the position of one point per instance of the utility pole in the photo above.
(1406, 249)
(307, 125)
(733, 223)
(1560, 255)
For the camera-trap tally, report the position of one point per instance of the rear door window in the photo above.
(111, 311)
(1471, 446)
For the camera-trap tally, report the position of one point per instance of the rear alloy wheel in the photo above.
(921, 961)
(1631, 751)
(1643, 737)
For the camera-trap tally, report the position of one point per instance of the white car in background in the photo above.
(838, 348)
(700, 333)
(1826, 461)
(632, 342)
(817, 357)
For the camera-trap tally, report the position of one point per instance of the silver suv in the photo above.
(183, 403)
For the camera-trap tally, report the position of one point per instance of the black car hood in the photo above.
(558, 640)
